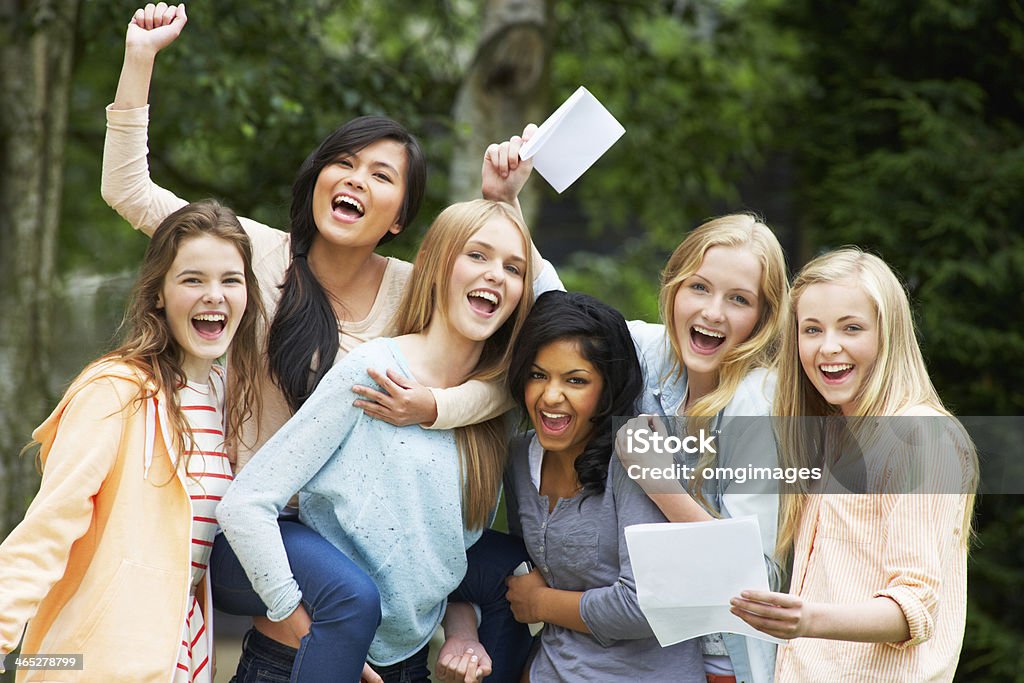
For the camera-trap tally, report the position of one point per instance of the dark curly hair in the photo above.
(605, 342)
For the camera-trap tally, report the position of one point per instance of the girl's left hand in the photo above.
(462, 660)
(778, 614)
(403, 402)
(524, 595)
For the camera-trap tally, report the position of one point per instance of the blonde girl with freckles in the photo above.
(879, 581)
(723, 293)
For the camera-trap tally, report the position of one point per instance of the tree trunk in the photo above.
(505, 88)
(36, 48)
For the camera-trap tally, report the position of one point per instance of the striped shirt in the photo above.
(908, 547)
(208, 476)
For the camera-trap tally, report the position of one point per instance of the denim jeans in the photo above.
(490, 561)
(264, 660)
(410, 670)
(341, 599)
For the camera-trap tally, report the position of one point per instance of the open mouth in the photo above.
(209, 325)
(483, 301)
(554, 423)
(705, 340)
(836, 372)
(348, 207)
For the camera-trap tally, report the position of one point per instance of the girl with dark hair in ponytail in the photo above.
(325, 288)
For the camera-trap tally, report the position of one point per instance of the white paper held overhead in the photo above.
(572, 139)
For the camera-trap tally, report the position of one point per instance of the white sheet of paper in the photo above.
(572, 139)
(687, 573)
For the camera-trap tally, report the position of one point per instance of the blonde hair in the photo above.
(760, 348)
(898, 379)
(482, 447)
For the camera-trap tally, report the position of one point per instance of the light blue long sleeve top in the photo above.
(389, 497)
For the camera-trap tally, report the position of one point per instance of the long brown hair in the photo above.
(482, 447)
(148, 344)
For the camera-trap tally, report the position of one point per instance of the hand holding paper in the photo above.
(686, 575)
(572, 139)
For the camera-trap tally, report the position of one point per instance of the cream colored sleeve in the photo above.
(470, 403)
(126, 185)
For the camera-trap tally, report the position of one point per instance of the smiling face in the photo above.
(487, 280)
(562, 393)
(717, 308)
(203, 298)
(837, 337)
(357, 198)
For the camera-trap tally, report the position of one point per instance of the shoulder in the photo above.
(111, 376)
(398, 271)
(754, 394)
(368, 354)
(920, 410)
(647, 336)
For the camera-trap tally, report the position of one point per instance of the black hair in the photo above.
(303, 338)
(605, 342)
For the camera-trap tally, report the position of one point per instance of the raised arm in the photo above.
(126, 185)
(150, 30)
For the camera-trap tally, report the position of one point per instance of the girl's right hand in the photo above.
(154, 27)
(504, 173)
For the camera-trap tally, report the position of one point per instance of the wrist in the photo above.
(538, 605)
(139, 55)
(812, 620)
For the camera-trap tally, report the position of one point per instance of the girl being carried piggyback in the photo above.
(110, 560)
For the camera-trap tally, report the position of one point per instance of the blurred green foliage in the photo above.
(897, 126)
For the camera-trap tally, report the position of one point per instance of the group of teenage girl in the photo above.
(354, 443)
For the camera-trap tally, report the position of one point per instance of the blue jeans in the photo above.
(490, 561)
(341, 599)
(410, 670)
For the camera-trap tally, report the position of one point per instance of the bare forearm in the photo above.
(562, 608)
(460, 621)
(879, 620)
(679, 506)
(136, 75)
(784, 615)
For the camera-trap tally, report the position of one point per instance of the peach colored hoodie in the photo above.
(100, 565)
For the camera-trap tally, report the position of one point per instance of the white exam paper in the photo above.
(687, 573)
(572, 139)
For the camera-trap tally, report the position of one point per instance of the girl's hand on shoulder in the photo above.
(778, 614)
(504, 174)
(403, 402)
(462, 660)
(154, 27)
(524, 596)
